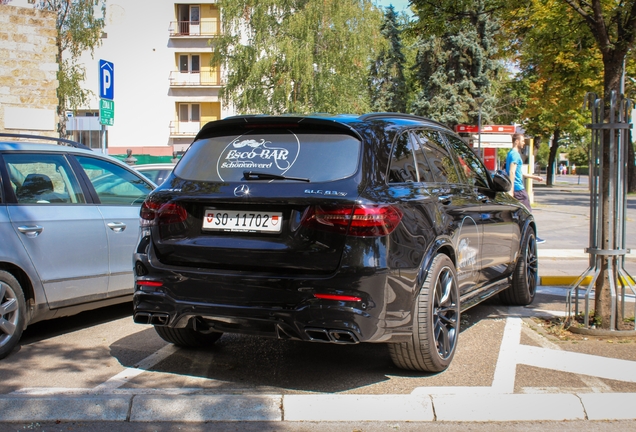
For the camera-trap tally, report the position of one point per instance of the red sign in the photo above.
(490, 158)
(505, 129)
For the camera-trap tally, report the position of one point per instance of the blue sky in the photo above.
(398, 5)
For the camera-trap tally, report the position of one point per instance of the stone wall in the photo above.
(28, 67)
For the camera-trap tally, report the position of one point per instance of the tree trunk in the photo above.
(554, 148)
(613, 61)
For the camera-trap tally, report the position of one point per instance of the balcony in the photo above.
(187, 129)
(195, 79)
(204, 28)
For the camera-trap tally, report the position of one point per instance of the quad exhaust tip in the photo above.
(156, 319)
(331, 336)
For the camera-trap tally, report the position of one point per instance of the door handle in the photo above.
(116, 226)
(445, 199)
(31, 231)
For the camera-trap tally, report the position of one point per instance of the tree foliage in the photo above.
(298, 56)
(559, 64)
(79, 29)
(457, 60)
(387, 81)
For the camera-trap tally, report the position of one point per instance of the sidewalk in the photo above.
(562, 214)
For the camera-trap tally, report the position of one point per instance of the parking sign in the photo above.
(106, 80)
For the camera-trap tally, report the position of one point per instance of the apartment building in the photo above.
(165, 88)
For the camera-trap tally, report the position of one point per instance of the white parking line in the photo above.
(128, 374)
(572, 362)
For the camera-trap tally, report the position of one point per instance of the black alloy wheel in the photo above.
(436, 322)
(526, 274)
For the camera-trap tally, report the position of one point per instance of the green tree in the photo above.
(578, 155)
(79, 29)
(298, 56)
(456, 60)
(559, 65)
(387, 82)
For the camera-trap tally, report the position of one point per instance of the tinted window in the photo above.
(315, 155)
(440, 162)
(403, 164)
(114, 184)
(471, 168)
(42, 179)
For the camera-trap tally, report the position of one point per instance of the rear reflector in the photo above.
(338, 297)
(149, 283)
(359, 220)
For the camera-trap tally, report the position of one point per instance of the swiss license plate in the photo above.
(242, 221)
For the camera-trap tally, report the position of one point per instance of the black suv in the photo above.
(344, 229)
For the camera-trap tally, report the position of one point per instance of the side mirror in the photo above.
(501, 181)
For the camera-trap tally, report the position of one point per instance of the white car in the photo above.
(157, 172)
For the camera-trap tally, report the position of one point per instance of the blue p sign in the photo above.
(106, 80)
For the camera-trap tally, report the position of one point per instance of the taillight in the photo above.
(359, 220)
(156, 213)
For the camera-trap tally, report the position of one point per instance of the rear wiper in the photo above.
(251, 175)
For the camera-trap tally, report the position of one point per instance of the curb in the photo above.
(327, 407)
(569, 280)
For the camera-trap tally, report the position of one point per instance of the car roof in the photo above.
(28, 138)
(153, 166)
(355, 122)
(55, 147)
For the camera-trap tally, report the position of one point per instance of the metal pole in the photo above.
(479, 132)
(103, 139)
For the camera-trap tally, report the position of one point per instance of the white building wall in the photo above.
(137, 41)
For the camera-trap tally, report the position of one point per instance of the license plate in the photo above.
(242, 221)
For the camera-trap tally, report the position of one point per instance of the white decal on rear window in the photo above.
(260, 154)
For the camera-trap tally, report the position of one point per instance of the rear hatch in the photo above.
(270, 199)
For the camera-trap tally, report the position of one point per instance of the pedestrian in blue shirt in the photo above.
(513, 169)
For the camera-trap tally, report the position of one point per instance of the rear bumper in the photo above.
(284, 308)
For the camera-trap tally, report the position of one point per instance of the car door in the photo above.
(458, 205)
(63, 235)
(497, 220)
(118, 193)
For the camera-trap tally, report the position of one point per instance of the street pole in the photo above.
(480, 102)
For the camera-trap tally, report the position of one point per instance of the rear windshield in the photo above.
(317, 156)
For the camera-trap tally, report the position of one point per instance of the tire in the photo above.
(187, 337)
(12, 313)
(435, 322)
(524, 279)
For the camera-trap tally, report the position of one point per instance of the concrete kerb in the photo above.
(325, 407)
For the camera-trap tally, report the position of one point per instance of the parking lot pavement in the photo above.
(508, 367)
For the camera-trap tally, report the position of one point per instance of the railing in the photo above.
(195, 28)
(184, 129)
(202, 78)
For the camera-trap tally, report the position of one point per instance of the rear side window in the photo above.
(314, 155)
